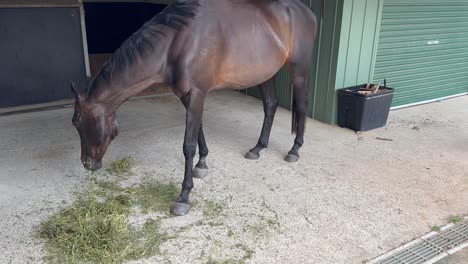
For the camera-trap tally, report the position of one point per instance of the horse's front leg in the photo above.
(194, 103)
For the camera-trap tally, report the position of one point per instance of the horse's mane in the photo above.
(141, 42)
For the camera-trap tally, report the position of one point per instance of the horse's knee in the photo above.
(270, 106)
(299, 80)
(272, 103)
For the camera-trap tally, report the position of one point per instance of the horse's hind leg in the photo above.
(300, 78)
(304, 29)
(270, 102)
(201, 170)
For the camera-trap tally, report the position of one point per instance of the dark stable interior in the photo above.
(109, 24)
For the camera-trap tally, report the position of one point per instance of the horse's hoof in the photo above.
(180, 209)
(251, 156)
(199, 173)
(291, 158)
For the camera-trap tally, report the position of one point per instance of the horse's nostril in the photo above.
(87, 165)
(92, 165)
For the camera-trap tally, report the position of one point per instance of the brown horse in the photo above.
(198, 46)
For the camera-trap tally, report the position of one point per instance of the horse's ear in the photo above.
(76, 93)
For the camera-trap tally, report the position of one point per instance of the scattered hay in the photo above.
(455, 219)
(248, 253)
(122, 167)
(96, 228)
(212, 210)
(155, 196)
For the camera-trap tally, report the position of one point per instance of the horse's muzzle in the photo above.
(92, 165)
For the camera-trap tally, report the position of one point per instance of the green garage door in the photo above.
(423, 49)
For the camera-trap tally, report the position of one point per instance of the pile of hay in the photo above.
(96, 228)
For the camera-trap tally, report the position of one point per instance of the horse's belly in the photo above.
(251, 63)
(245, 76)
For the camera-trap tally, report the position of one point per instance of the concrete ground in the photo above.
(350, 198)
(460, 257)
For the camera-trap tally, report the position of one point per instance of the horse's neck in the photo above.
(115, 93)
(131, 79)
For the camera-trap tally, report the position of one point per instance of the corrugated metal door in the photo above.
(41, 51)
(423, 49)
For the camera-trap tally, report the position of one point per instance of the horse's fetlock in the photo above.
(187, 186)
(204, 152)
(299, 142)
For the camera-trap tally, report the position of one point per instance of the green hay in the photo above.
(248, 253)
(455, 219)
(95, 228)
(108, 185)
(212, 210)
(122, 167)
(227, 261)
(154, 196)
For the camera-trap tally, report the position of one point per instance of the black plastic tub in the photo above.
(363, 112)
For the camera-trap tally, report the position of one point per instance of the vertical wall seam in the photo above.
(319, 46)
(361, 42)
(332, 85)
(347, 48)
(376, 38)
(84, 39)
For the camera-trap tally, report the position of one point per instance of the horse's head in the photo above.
(97, 127)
